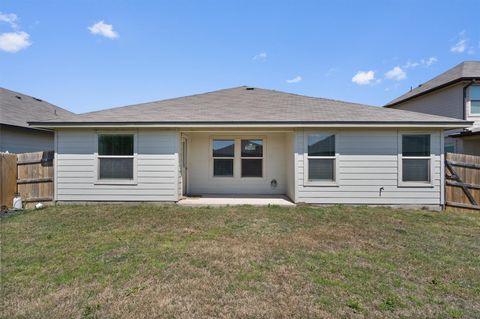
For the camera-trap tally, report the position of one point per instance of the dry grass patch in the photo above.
(115, 261)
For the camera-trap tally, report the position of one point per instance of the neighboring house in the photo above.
(15, 134)
(455, 93)
(250, 141)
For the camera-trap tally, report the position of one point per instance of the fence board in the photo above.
(8, 179)
(462, 185)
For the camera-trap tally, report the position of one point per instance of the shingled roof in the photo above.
(17, 108)
(468, 70)
(246, 105)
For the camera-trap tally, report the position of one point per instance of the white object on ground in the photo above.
(39, 206)
(17, 202)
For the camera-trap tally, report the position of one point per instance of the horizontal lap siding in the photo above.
(157, 163)
(368, 161)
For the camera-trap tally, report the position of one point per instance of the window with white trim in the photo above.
(252, 158)
(474, 99)
(115, 156)
(416, 159)
(321, 157)
(223, 153)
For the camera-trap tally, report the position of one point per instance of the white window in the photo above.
(116, 157)
(321, 159)
(416, 160)
(223, 153)
(474, 99)
(252, 158)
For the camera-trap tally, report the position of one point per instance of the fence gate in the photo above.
(462, 181)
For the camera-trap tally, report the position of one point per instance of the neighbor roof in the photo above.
(17, 108)
(468, 70)
(245, 105)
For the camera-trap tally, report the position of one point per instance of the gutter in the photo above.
(449, 124)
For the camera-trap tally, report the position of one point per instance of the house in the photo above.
(454, 93)
(16, 136)
(251, 141)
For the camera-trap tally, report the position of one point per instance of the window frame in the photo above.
(306, 157)
(400, 156)
(115, 181)
(252, 158)
(212, 158)
(469, 101)
(237, 159)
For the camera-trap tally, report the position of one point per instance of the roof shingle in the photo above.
(17, 109)
(247, 105)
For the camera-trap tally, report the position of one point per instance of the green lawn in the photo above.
(120, 261)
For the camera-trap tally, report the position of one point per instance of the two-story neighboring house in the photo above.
(454, 93)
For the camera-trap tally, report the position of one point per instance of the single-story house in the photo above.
(251, 141)
(454, 93)
(16, 136)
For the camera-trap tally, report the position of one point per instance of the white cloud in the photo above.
(14, 41)
(429, 61)
(9, 18)
(296, 79)
(364, 77)
(262, 56)
(461, 44)
(103, 29)
(424, 62)
(396, 74)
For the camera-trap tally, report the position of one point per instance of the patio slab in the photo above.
(233, 200)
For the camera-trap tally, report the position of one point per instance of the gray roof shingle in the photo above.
(17, 109)
(463, 71)
(247, 105)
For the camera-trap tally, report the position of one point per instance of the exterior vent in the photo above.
(18, 97)
(249, 88)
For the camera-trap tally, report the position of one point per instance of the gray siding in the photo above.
(24, 140)
(368, 160)
(445, 102)
(157, 168)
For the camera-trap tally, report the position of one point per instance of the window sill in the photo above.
(415, 184)
(321, 184)
(115, 182)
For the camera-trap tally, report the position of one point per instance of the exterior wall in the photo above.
(200, 165)
(24, 140)
(444, 102)
(156, 169)
(367, 161)
(470, 145)
(290, 164)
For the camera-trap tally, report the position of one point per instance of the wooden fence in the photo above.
(8, 179)
(462, 181)
(29, 174)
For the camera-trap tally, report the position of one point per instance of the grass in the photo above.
(120, 261)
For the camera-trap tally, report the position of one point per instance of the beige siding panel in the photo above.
(368, 160)
(157, 157)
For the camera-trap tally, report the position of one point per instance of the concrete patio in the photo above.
(232, 200)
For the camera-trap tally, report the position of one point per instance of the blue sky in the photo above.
(88, 55)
